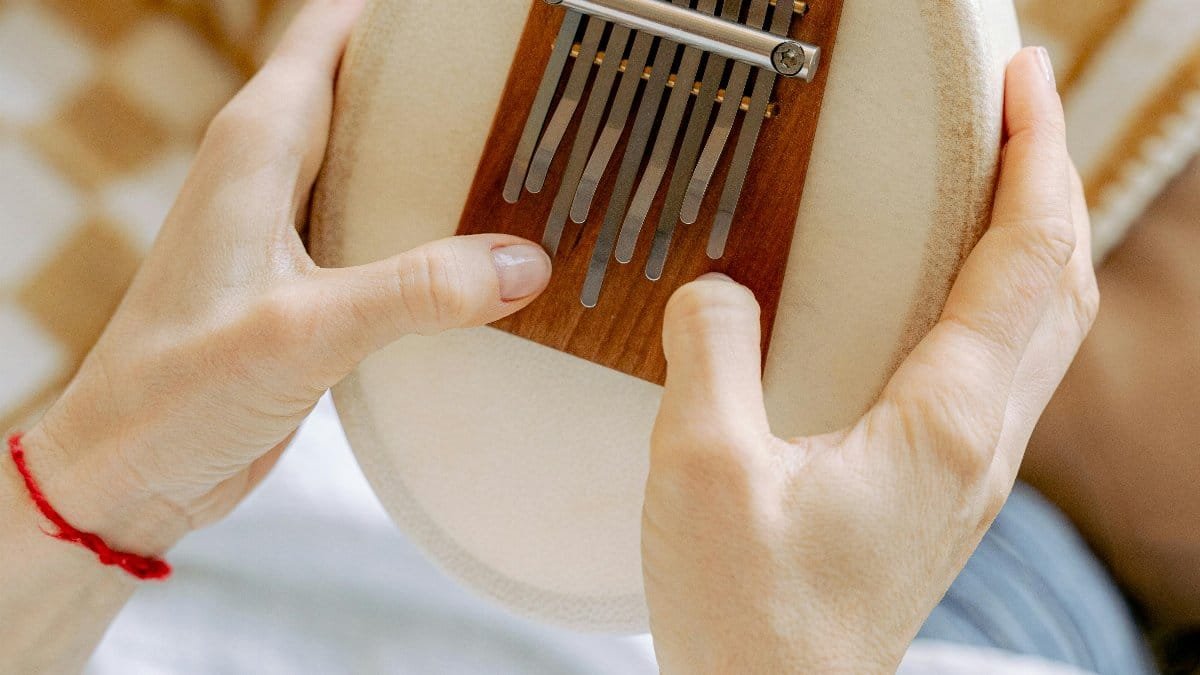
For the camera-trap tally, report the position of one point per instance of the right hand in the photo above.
(828, 553)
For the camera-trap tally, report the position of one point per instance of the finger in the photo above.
(714, 395)
(962, 373)
(317, 36)
(453, 283)
(280, 120)
(1054, 346)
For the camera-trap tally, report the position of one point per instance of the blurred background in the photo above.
(103, 102)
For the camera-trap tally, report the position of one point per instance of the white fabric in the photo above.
(944, 658)
(520, 468)
(309, 576)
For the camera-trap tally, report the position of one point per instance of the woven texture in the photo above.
(102, 103)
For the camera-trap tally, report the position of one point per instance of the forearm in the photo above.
(58, 599)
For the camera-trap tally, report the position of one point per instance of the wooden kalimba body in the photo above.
(837, 157)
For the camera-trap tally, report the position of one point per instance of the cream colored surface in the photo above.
(520, 468)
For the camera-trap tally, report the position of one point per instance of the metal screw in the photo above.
(789, 59)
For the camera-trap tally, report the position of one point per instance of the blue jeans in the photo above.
(1033, 587)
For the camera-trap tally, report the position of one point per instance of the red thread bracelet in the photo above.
(142, 567)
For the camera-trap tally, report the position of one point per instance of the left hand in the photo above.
(826, 554)
(230, 333)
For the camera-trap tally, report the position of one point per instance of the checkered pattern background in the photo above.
(1070, 29)
(102, 103)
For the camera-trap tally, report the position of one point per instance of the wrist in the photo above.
(796, 643)
(817, 656)
(91, 484)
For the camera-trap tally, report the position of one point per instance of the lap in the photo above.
(1033, 587)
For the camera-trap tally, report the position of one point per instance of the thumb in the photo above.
(711, 336)
(458, 282)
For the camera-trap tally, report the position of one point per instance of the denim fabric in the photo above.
(1034, 587)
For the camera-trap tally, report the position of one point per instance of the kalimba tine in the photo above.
(612, 28)
(620, 141)
(838, 157)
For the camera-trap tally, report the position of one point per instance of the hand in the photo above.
(230, 333)
(828, 553)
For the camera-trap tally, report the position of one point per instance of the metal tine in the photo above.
(723, 127)
(685, 163)
(622, 108)
(739, 166)
(593, 115)
(631, 162)
(541, 106)
(557, 128)
(668, 133)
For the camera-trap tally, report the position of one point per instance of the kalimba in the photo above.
(836, 156)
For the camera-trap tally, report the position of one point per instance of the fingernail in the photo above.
(716, 276)
(1047, 66)
(524, 269)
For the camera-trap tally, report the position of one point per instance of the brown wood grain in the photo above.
(624, 330)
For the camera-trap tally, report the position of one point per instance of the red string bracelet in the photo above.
(142, 567)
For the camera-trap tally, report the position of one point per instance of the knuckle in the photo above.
(285, 318)
(278, 325)
(1049, 129)
(940, 420)
(233, 123)
(1077, 300)
(1041, 131)
(705, 457)
(993, 505)
(994, 499)
(1051, 240)
(247, 127)
(432, 291)
(968, 457)
(1086, 302)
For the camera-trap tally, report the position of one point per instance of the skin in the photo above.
(761, 555)
(826, 554)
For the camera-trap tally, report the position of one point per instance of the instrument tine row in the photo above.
(739, 166)
(614, 127)
(660, 156)
(567, 105)
(723, 127)
(593, 116)
(541, 106)
(685, 163)
(603, 124)
(631, 162)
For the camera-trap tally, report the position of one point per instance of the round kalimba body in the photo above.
(519, 468)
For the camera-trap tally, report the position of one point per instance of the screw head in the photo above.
(790, 58)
